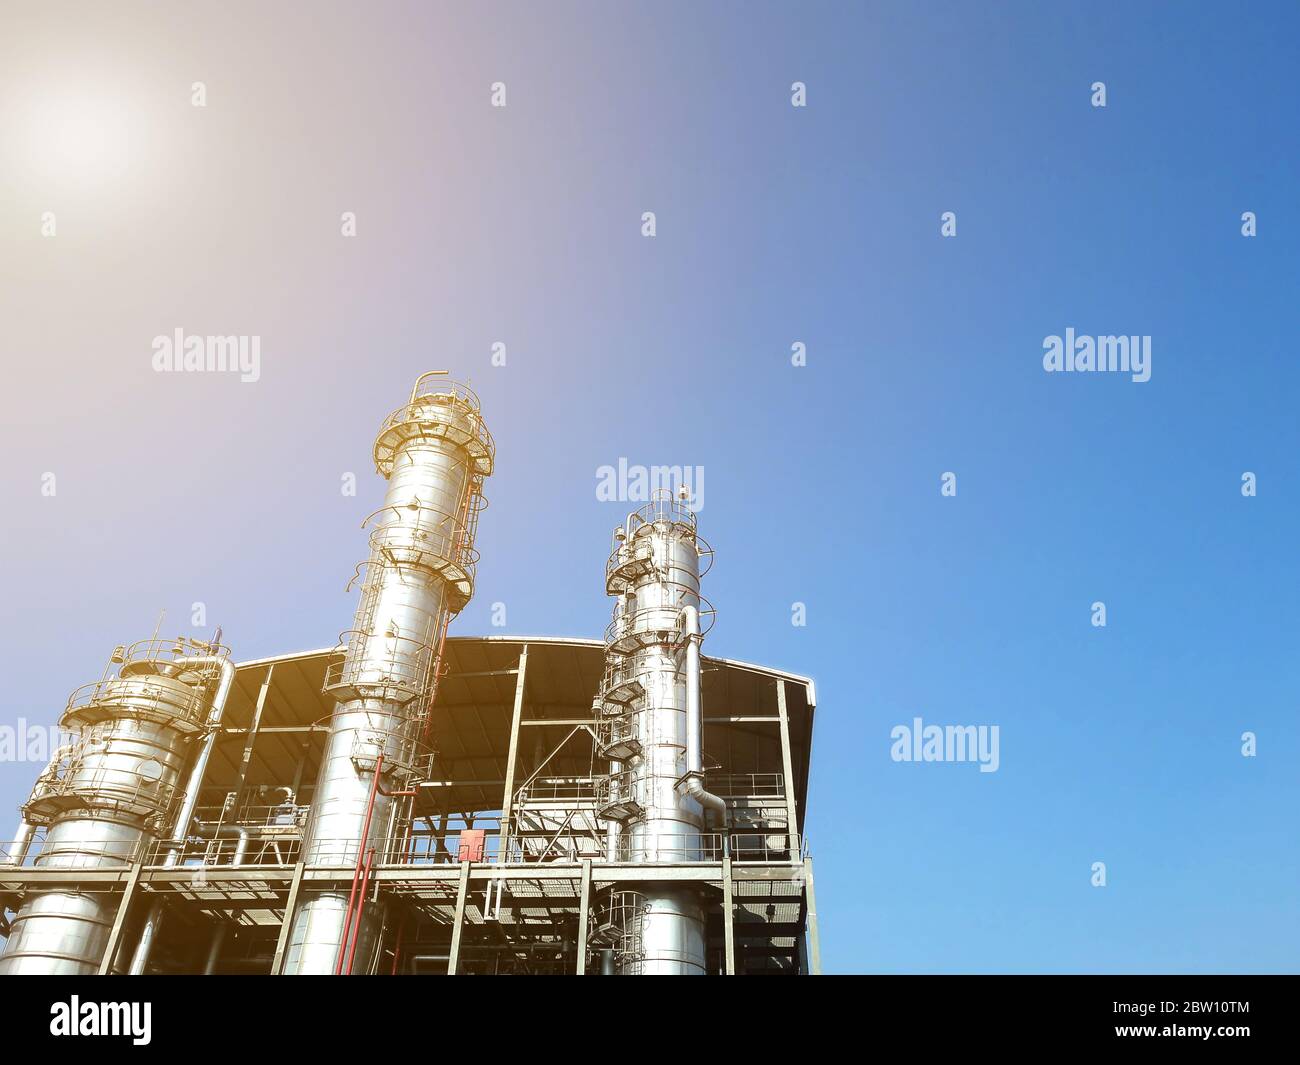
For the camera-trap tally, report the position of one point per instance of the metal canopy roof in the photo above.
(472, 719)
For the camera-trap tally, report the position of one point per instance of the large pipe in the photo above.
(22, 841)
(694, 782)
(214, 951)
(186, 813)
(191, 800)
(236, 860)
(21, 844)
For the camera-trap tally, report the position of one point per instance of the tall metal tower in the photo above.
(435, 452)
(115, 791)
(654, 799)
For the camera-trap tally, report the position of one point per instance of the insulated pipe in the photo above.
(611, 836)
(694, 782)
(23, 837)
(186, 814)
(237, 859)
(214, 952)
(182, 830)
(241, 848)
(22, 843)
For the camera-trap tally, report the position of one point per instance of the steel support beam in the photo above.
(295, 885)
(246, 759)
(512, 757)
(814, 944)
(119, 922)
(728, 921)
(584, 910)
(462, 893)
(787, 767)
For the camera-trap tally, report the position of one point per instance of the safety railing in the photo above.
(67, 785)
(635, 630)
(617, 798)
(552, 789)
(636, 848)
(748, 785)
(766, 847)
(272, 851)
(663, 506)
(440, 408)
(634, 558)
(156, 650)
(671, 848)
(95, 851)
(250, 815)
(617, 923)
(137, 696)
(413, 849)
(431, 538)
(394, 667)
(617, 739)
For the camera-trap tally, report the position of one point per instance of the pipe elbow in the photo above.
(695, 789)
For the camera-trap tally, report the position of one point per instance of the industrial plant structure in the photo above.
(408, 802)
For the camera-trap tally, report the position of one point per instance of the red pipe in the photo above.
(361, 905)
(356, 873)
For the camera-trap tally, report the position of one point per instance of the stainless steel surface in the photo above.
(109, 794)
(16, 853)
(435, 452)
(694, 782)
(654, 576)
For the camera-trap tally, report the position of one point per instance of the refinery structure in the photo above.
(411, 802)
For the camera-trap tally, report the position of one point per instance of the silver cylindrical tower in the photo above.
(435, 452)
(653, 792)
(107, 797)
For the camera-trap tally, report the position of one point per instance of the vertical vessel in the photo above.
(653, 800)
(435, 452)
(114, 792)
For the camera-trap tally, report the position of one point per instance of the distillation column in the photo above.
(106, 798)
(435, 452)
(654, 799)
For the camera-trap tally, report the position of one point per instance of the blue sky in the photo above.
(775, 225)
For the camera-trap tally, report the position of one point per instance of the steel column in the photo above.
(728, 920)
(462, 893)
(584, 911)
(254, 727)
(507, 798)
(787, 767)
(290, 906)
(814, 944)
(119, 922)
